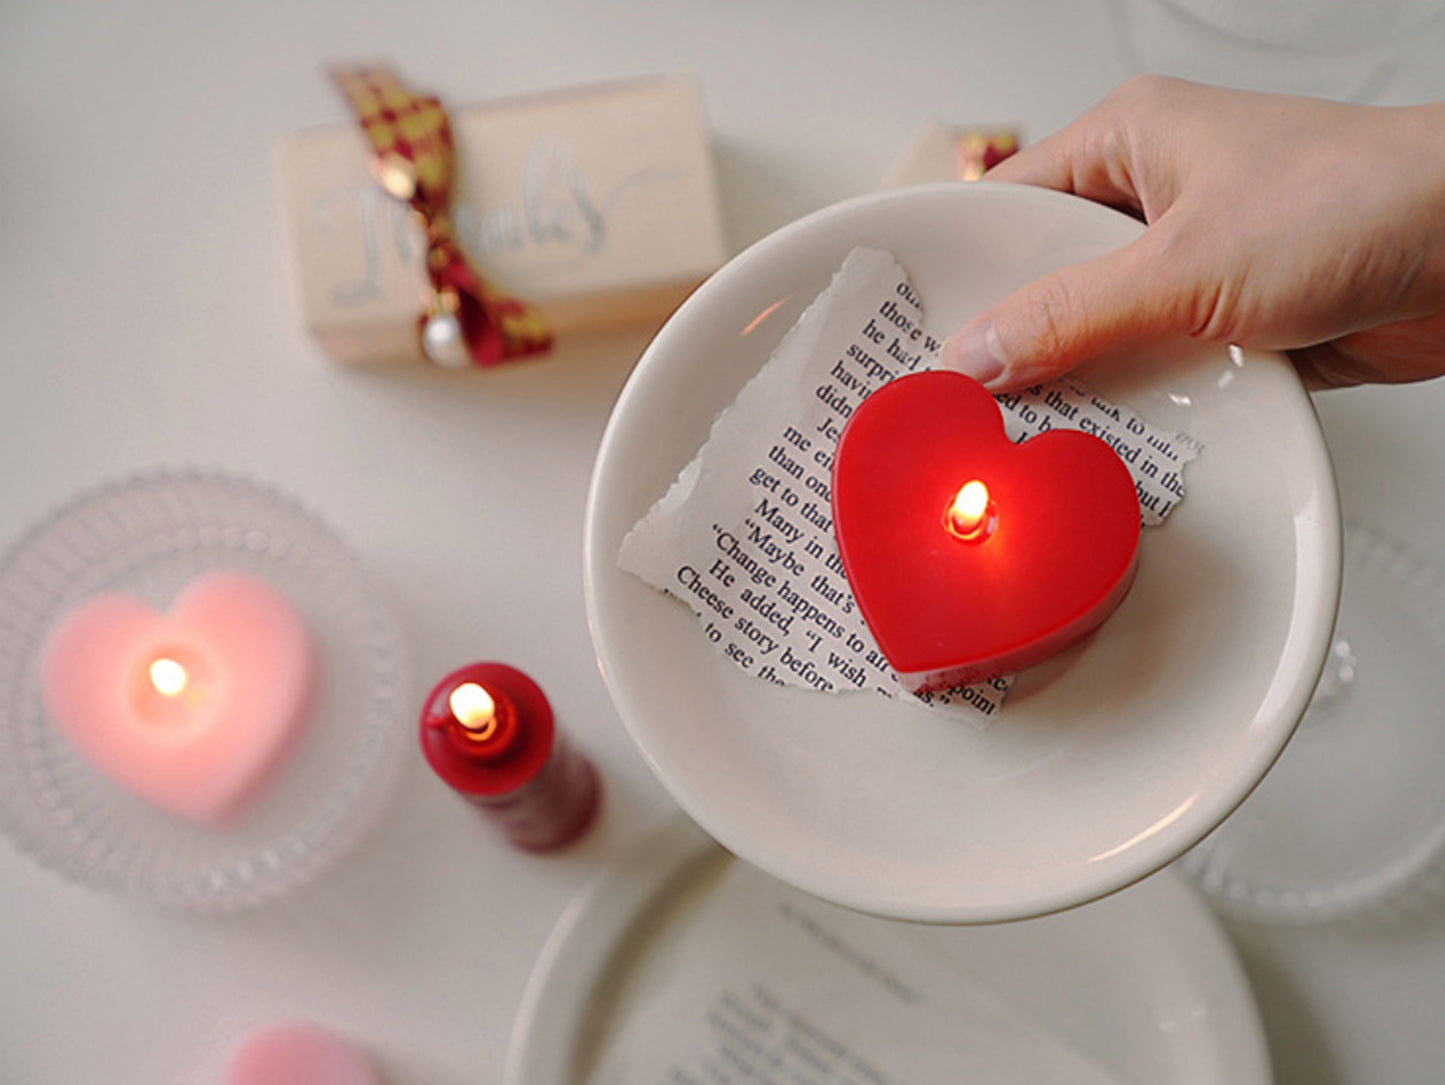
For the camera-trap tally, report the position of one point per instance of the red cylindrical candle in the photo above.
(488, 731)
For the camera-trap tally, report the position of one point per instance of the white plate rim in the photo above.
(1307, 644)
(573, 967)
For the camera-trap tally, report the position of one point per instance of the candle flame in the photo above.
(969, 513)
(476, 711)
(169, 677)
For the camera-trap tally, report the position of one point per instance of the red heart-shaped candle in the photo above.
(1025, 565)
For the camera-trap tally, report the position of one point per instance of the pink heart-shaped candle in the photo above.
(192, 710)
(298, 1053)
(971, 556)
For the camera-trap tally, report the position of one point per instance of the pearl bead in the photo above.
(441, 341)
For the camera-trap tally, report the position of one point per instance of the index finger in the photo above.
(1095, 155)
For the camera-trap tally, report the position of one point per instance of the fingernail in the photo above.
(974, 351)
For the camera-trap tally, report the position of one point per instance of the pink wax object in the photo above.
(193, 710)
(298, 1053)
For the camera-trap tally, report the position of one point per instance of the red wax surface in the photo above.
(515, 753)
(1058, 558)
(524, 775)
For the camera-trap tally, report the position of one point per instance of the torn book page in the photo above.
(744, 536)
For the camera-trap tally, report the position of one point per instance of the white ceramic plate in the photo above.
(1105, 764)
(1144, 982)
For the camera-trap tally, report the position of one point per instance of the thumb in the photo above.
(1067, 317)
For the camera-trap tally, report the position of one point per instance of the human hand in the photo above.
(1277, 223)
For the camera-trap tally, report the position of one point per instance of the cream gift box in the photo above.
(597, 204)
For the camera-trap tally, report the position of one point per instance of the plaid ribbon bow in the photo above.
(413, 157)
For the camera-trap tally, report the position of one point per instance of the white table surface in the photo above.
(146, 321)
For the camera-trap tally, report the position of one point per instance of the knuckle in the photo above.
(1147, 88)
(1192, 296)
(1138, 92)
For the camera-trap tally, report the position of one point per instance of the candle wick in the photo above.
(169, 677)
(474, 710)
(970, 517)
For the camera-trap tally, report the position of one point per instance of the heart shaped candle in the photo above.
(298, 1053)
(971, 556)
(191, 710)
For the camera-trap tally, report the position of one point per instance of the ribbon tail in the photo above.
(494, 327)
(413, 156)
